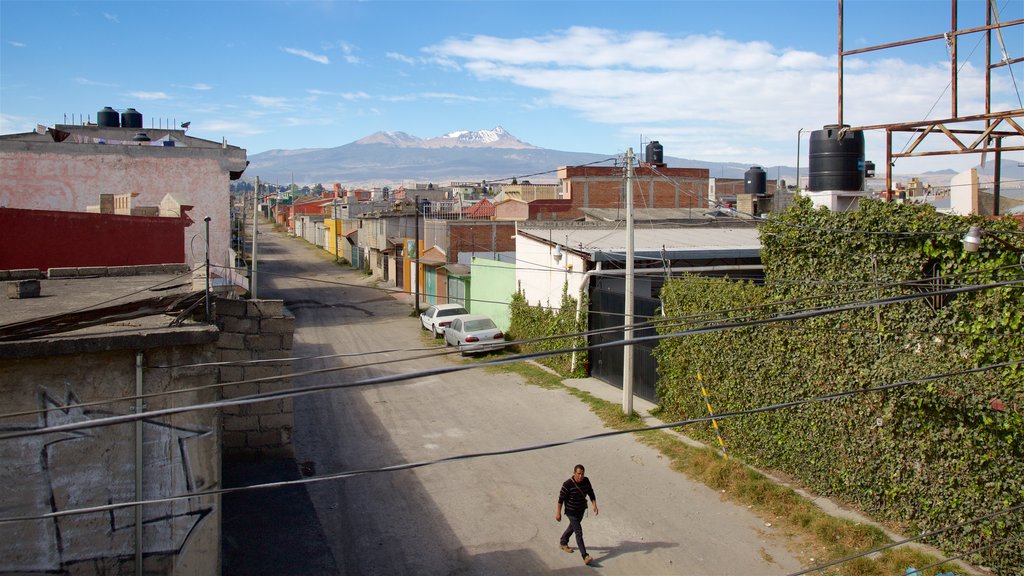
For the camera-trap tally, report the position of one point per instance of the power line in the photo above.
(906, 540)
(999, 542)
(386, 379)
(656, 322)
(521, 449)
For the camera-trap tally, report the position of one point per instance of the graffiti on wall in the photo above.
(48, 473)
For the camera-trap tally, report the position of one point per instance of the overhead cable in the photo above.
(521, 449)
(266, 396)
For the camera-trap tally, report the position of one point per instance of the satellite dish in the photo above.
(185, 125)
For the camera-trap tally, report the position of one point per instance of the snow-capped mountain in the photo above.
(496, 138)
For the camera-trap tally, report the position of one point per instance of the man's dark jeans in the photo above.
(575, 525)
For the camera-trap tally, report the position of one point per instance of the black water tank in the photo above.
(131, 118)
(655, 154)
(755, 181)
(108, 118)
(836, 164)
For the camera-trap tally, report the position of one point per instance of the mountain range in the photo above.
(389, 158)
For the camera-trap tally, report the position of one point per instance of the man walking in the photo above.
(574, 495)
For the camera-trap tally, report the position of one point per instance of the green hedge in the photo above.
(920, 457)
(529, 322)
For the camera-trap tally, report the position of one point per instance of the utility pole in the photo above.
(627, 321)
(337, 229)
(255, 231)
(416, 249)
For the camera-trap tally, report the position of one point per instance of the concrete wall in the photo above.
(95, 466)
(256, 330)
(494, 283)
(541, 278)
(67, 176)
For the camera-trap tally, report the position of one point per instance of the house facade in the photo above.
(68, 167)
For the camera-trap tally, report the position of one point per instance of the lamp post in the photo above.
(798, 133)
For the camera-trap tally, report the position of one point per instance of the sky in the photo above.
(720, 81)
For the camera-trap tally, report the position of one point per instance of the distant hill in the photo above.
(389, 158)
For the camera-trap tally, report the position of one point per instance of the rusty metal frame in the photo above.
(989, 139)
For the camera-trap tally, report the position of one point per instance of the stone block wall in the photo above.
(252, 330)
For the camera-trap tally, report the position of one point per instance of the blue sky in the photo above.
(716, 81)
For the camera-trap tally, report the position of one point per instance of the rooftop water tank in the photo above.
(108, 118)
(655, 154)
(837, 163)
(755, 181)
(131, 118)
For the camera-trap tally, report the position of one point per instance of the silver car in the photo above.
(472, 333)
(436, 318)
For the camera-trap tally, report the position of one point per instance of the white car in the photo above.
(472, 333)
(436, 318)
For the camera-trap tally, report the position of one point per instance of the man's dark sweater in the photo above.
(572, 496)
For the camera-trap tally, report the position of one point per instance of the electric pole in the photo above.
(627, 321)
(255, 231)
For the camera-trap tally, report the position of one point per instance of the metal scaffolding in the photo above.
(963, 134)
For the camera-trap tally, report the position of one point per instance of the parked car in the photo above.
(472, 333)
(436, 318)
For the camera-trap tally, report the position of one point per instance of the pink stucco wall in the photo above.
(74, 179)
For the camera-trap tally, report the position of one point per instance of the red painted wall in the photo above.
(47, 239)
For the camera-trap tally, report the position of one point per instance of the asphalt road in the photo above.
(491, 515)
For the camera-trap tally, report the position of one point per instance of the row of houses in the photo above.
(445, 247)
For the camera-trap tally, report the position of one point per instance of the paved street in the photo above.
(491, 515)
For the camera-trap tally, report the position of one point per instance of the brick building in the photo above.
(654, 186)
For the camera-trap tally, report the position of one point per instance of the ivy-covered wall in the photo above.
(540, 326)
(920, 457)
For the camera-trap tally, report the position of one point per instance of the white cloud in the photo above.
(320, 58)
(201, 86)
(273, 102)
(149, 95)
(295, 121)
(351, 96)
(401, 58)
(17, 44)
(88, 82)
(348, 53)
(10, 124)
(449, 97)
(111, 17)
(712, 97)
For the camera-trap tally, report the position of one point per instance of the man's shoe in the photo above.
(587, 559)
(566, 548)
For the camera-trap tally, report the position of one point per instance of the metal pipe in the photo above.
(932, 37)
(888, 165)
(208, 316)
(953, 61)
(139, 496)
(997, 176)
(840, 61)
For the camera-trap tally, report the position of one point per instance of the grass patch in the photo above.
(818, 536)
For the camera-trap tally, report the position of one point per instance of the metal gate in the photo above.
(607, 304)
(430, 281)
